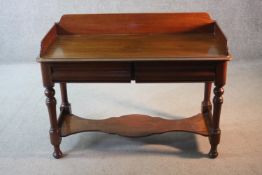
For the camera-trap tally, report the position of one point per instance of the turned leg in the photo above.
(65, 106)
(206, 104)
(217, 104)
(215, 130)
(54, 130)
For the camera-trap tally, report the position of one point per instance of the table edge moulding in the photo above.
(140, 47)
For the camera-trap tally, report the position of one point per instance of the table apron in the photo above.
(154, 72)
(141, 72)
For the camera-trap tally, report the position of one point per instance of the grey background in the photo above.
(24, 140)
(23, 23)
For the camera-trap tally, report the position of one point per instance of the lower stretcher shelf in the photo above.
(134, 125)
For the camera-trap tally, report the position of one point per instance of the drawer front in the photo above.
(91, 72)
(174, 71)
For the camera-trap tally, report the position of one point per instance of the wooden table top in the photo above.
(179, 37)
(135, 47)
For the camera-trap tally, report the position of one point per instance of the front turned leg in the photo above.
(54, 130)
(220, 80)
(215, 130)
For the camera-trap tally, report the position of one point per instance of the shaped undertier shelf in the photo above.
(134, 125)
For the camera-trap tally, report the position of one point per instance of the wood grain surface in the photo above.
(138, 47)
(129, 23)
(136, 37)
(135, 125)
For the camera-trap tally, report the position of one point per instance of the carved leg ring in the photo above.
(206, 104)
(215, 130)
(54, 130)
(65, 104)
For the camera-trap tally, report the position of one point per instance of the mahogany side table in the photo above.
(146, 48)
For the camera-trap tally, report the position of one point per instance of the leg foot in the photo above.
(57, 152)
(214, 140)
(213, 152)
